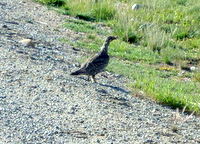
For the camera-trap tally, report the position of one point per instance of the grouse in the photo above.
(97, 63)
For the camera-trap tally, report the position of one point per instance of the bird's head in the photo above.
(104, 48)
(111, 38)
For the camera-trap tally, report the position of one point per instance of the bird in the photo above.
(97, 63)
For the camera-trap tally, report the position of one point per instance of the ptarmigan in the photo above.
(97, 63)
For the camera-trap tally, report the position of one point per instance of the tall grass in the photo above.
(177, 20)
(124, 25)
(156, 39)
(103, 10)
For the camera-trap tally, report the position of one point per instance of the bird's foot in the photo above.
(88, 78)
(93, 79)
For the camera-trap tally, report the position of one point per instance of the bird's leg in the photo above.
(88, 77)
(93, 78)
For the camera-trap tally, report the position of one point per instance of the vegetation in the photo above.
(158, 46)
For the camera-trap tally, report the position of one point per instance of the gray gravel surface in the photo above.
(41, 103)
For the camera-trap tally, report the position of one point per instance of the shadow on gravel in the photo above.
(110, 86)
(115, 88)
(120, 101)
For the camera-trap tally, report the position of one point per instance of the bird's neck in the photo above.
(104, 48)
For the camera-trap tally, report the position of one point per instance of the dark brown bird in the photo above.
(97, 63)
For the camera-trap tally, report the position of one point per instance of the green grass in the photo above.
(164, 87)
(154, 43)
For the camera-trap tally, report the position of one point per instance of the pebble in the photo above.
(27, 42)
(136, 6)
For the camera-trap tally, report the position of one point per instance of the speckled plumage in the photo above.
(97, 63)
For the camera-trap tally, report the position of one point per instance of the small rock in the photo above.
(76, 49)
(2, 97)
(192, 68)
(36, 98)
(27, 42)
(136, 6)
(44, 91)
(4, 26)
(149, 141)
(62, 90)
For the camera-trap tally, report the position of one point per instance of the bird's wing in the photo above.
(97, 63)
(90, 60)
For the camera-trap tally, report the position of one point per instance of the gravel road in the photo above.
(41, 103)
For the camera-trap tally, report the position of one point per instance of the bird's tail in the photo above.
(78, 72)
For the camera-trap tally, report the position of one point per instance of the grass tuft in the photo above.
(156, 39)
(56, 3)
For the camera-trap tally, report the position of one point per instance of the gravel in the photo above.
(41, 103)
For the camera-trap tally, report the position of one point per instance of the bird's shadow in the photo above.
(115, 88)
(110, 86)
